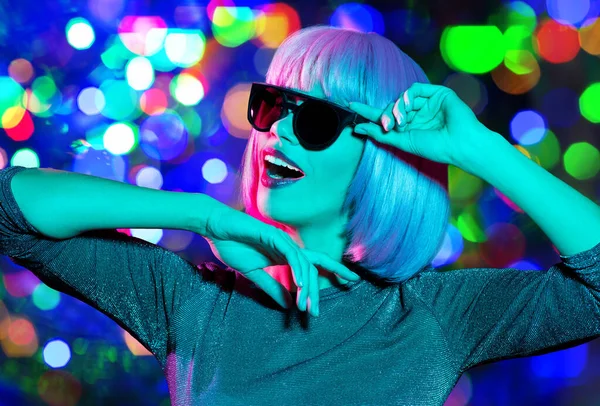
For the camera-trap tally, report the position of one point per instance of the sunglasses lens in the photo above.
(265, 108)
(317, 123)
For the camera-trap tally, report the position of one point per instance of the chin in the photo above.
(283, 218)
(280, 213)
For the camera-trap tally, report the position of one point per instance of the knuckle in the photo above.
(265, 237)
(214, 223)
(315, 258)
(447, 90)
(281, 235)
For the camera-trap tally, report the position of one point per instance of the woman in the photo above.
(401, 335)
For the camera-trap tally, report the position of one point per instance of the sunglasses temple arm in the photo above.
(360, 119)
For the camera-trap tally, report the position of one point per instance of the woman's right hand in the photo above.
(248, 245)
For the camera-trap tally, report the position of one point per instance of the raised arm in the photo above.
(136, 283)
(62, 204)
(489, 314)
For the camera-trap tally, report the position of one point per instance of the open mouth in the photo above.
(281, 172)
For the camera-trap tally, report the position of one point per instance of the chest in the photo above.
(363, 356)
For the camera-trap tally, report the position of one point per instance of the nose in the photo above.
(284, 128)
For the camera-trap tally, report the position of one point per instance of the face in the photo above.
(317, 198)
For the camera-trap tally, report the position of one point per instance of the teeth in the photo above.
(277, 161)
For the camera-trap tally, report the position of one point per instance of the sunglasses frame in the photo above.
(345, 117)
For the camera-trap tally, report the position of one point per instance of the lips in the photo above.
(273, 183)
(280, 155)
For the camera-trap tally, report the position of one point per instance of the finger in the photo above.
(399, 112)
(374, 131)
(402, 110)
(414, 107)
(293, 257)
(307, 282)
(403, 139)
(417, 104)
(306, 285)
(403, 116)
(419, 89)
(297, 266)
(294, 261)
(369, 112)
(302, 264)
(314, 292)
(410, 116)
(328, 263)
(313, 284)
(300, 261)
(271, 287)
(300, 298)
(303, 295)
(387, 118)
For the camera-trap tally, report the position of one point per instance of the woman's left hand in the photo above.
(427, 120)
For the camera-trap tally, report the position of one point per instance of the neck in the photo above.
(328, 239)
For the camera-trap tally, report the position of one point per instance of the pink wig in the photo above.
(398, 203)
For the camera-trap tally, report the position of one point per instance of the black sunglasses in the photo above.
(317, 123)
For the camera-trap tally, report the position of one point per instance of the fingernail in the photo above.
(359, 130)
(385, 120)
(397, 113)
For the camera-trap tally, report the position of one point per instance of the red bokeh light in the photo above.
(555, 42)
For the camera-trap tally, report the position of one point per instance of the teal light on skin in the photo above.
(312, 206)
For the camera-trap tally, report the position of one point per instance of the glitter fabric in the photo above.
(222, 341)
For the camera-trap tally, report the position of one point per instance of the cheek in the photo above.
(339, 169)
(261, 140)
(350, 153)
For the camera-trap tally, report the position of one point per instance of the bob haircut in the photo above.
(397, 216)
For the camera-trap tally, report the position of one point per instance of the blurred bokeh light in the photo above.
(155, 94)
